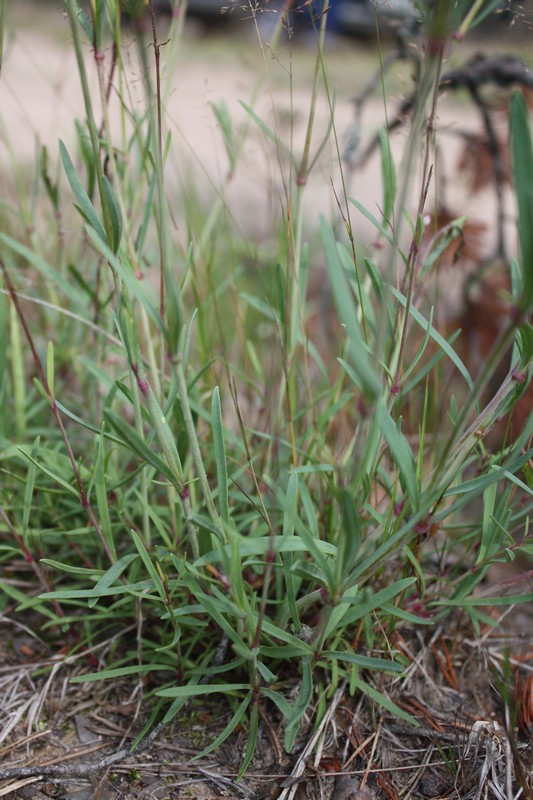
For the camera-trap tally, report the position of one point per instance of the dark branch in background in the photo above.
(503, 71)
(500, 71)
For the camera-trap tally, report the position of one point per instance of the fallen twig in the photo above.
(84, 769)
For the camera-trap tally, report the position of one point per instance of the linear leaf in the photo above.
(195, 690)
(361, 362)
(115, 215)
(119, 672)
(364, 606)
(137, 445)
(269, 133)
(149, 564)
(364, 661)
(401, 453)
(84, 206)
(436, 336)
(228, 730)
(523, 177)
(386, 703)
(112, 574)
(44, 268)
(220, 455)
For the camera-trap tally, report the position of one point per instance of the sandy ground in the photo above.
(40, 96)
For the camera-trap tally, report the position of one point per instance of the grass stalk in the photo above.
(91, 124)
(87, 507)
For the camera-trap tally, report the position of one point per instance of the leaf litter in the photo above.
(469, 691)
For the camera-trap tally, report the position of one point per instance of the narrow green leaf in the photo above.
(102, 500)
(394, 611)
(281, 702)
(51, 474)
(115, 215)
(29, 489)
(525, 340)
(71, 569)
(29, 601)
(138, 446)
(112, 575)
(365, 605)
(123, 269)
(279, 633)
(149, 564)
(141, 588)
(523, 177)
(351, 595)
(196, 690)
(344, 300)
(228, 730)
(382, 228)
(220, 110)
(269, 133)
(514, 479)
(264, 308)
(165, 437)
(289, 520)
(85, 207)
(85, 21)
(508, 600)
(401, 453)
(488, 526)
(365, 662)
(50, 372)
(350, 534)
(313, 468)
(212, 608)
(45, 269)
(300, 706)
(386, 703)
(220, 455)
(119, 672)
(436, 336)
(86, 151)
(253, 732)
(261, 545)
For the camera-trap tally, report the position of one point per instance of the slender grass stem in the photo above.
(183, 395)
(57, 415)
(93, 130)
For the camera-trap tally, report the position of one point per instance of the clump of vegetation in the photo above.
(247, 514)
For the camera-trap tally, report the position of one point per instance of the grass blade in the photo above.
(220, 455)
(84, 206)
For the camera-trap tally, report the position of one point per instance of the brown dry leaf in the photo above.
(476, 161)
(487, 309)
(525, 709)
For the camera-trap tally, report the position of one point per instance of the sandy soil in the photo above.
(40, 96)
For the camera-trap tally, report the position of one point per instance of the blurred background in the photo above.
(222, 60)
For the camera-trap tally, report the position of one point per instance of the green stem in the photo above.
(91, 124)
(183, 395)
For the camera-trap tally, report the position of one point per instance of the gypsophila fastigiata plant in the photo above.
(192, 474)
